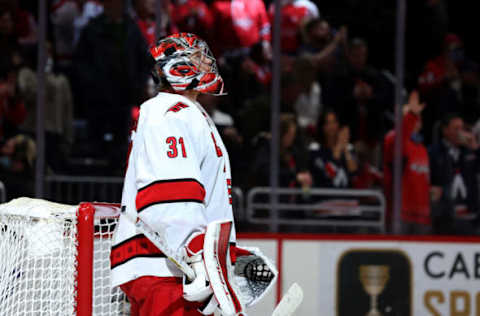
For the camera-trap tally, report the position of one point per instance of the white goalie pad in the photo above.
(235, 286)
(216, 254)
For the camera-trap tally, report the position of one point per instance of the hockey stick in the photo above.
(290, 301)
(159, 241)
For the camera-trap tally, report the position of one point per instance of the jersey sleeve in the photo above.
(170, 195)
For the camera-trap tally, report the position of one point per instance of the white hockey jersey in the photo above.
(178, 179)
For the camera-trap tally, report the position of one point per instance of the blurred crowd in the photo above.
(337, 95)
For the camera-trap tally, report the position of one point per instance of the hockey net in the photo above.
(55, 259)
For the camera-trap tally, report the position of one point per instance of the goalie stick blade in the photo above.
(290, 301)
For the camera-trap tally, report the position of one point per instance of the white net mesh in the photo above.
(38, 265)
(106, 301)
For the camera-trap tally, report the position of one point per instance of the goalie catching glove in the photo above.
(229, 278)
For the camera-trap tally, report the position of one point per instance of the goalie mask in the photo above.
(185, 61)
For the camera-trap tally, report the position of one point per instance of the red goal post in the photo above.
(55, 259)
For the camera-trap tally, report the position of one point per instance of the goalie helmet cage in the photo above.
(55, 259)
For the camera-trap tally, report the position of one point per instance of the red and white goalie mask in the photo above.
(186, 62)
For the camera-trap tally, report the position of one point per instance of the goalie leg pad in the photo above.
(219, 268)
(210, 307)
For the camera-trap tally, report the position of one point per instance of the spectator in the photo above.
(415, 213)
(443, 70)
(332, 160)
(321, 45)
(298, 77)
(256, 74)
(367, 176)
(112, 69)
(254, 117)
(192, 16)
(241, 29)
(58, 112)
(294, 14)
(68, 18)
(12, 108)
(301, 92)
(62, 17)
(444, 79)
(454, 169)
(144, 14)
(89, 9)
(293, 170)
(17, 166)
(317, 34)
(308, 103)
(25, 27)
(361, 95)
(239, 24)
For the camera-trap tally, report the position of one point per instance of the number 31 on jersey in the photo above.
(173, 151)
(173, 143)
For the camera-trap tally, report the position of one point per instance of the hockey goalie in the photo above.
(178, 184)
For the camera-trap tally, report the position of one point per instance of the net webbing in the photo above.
(38, 263)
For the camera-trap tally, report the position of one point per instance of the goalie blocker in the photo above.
(228, 278)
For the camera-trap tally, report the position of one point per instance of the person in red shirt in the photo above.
(443, 70)
(442, 83)
(295, 13)
(415, 213)
(239, 24)
(192, 16)
(367, 175)
(145, 18)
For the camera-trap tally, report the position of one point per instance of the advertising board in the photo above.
(377, 275)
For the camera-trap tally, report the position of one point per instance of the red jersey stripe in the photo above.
(137, 246)
(170, 191)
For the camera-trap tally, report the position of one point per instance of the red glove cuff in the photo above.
(236, 252)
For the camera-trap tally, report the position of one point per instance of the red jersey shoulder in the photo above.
(177, 107)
